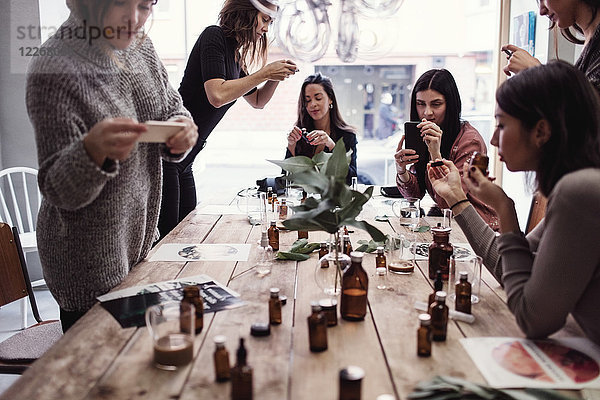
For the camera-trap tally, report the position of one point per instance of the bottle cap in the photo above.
(219, 339)
(323, 244)
(327, 304)
(264, 239)
(274, 291)
(425, 319)
(314, 306)
(352, 373)
(260, 329)
(386, 397)
(270, 189)
(283, 299)
(463, 275)
(273, 223)
(440, 295)
(357, 256)
(380, 250)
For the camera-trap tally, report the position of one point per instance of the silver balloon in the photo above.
(378, 8)
(348, 33)
(377, 38)
(269, 7)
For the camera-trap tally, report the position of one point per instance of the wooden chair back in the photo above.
(537, 211)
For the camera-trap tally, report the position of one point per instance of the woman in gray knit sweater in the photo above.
(547, 122)
(100, 185)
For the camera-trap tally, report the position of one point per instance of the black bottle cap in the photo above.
(438, 284)
(260, 329)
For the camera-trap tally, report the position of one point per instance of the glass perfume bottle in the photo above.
(274, 307)
(317, 329)
(439, 317)
(355, 285)
(273, 234)
(424, 336)
(264, 256)
(221, 359)
(241, 376)
(462, 301)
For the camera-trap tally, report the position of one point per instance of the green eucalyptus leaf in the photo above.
(308, 248)
(282, 255)
(302, 224)
(337, 166)
(298, 244)
(363, 248)
(351, 210)
(422, 228)
(375, 233)
(311, 181)
(320, 159)
(295, 164)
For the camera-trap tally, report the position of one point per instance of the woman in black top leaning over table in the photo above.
(215, 77)
(319, 114)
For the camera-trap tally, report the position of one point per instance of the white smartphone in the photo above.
(160, 131)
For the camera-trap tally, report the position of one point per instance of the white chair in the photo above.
(19, 205)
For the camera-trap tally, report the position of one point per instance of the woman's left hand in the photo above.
(184, 139)
(432, 135)
(482, 187)
(318, 137)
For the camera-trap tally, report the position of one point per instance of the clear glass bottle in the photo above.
(355, 286)
(283, 209)
(439, 317)
(221, 359)
(440, 251)
(424, 336)
(317, 329)
(350, 383)
(191, 295)
(264, 256)
(462, 300)
(273, 234)
(274, 307)
(241, 376)
(438, 285)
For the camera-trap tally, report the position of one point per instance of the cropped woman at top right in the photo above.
(584, 18)
(548, 123)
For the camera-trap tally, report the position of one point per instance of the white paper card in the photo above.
(201, 252)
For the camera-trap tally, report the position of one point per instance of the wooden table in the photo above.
(97, 359)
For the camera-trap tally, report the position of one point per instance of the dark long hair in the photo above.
(563, 96)
(442, 81)
(566, 32)
(304, 120)
(238, 20)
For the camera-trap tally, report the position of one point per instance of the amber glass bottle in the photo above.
(438, 285)
(439, 252)
(274, 307)
(355, 285)
(221, 359)
(273, 234)
(350, 383)
(191, 294)
(463, 293)
(283, 209)
(241, 376)
(323, 251)
(274, 203)
(439, 317)
(269, 194)
(303, 234)
(380, 261)
(424, 336)
(317, 329)
(347, 245)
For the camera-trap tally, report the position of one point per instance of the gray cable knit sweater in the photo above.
(95, 223)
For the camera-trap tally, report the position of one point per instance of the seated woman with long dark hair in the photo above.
(435, 101)
(319, 115)
(548, 123)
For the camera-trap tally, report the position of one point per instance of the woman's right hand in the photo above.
(112, 138)
(279, 70)
(294, 136)
(404, 157)
(446, 181)
(519, 60)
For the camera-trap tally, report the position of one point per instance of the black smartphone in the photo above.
(414, 141)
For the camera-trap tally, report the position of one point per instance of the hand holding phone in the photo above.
(414, 141)
(160, 131)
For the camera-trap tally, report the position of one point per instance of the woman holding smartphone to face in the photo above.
(583, 16)
(100, 185)
(319, 116)
(435, 102)
(547, 122)
(216, 75)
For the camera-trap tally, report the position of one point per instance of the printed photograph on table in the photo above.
(461, 250)
(571, 363)
(201, 252)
